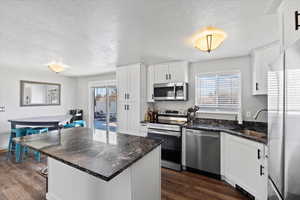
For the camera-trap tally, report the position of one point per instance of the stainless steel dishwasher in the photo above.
(203, 151)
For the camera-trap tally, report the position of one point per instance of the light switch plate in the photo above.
(2, 108)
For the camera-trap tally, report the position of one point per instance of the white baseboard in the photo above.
(51, 197)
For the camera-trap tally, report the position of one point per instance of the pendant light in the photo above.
(209, 38)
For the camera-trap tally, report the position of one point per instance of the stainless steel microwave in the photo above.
(171, 92)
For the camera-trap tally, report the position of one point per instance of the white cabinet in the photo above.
(262, 59)
(162, 73)
(150, 82)
(171, 72)
(243, 163)
(131, 87)
(178, 71)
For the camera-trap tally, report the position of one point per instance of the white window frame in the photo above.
(238, 113)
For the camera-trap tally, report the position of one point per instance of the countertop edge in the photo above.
(105, 178)
(231, 132)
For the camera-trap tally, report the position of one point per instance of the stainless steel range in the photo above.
(169, 128)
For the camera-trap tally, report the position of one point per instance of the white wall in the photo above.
(10, 97)
(83, 90)
(250, 103)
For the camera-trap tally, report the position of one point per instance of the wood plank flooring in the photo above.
(22, 182)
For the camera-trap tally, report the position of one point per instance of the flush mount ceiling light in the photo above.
(209, 38)
(57, 67)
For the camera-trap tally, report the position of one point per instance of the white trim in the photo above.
(91, 86)
(51, 197)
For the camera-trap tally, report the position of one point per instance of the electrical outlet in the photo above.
(2, 108)
(248, 114)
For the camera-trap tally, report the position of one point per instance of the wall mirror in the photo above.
(39, 93)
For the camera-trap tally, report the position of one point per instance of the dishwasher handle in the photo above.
(199, 133)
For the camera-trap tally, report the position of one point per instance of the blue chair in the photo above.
(38, 130)
(80, 123)
(16, 132)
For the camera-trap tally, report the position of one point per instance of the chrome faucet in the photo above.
(258, 112)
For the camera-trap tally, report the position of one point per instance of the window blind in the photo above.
(219, 91)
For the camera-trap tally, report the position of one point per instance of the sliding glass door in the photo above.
(105, 109)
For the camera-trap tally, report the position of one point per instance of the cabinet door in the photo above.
(262, 59)
(162, 73)
(178, 72)
(133, 118)
(134, 84)
(122, 117)
(150, 82)
(122, 84)
(244, 165)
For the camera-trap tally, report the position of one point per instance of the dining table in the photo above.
(54, 122)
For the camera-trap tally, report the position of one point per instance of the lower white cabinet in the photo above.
(243, 163)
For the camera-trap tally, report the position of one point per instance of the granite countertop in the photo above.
(101, 155)
(258, 134)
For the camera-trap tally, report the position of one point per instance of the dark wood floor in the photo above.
(22, 182)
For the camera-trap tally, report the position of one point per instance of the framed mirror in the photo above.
(39, 93)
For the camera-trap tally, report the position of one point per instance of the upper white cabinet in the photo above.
(244, 164)
(131, 87)
(150, 82)
(262, 59)
(288, 22)
(171, 72)
(165, 73)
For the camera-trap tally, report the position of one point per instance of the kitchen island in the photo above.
(84, 165)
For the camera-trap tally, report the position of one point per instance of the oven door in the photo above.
(164, 91)
(170, 148)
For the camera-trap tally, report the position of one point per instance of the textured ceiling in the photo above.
(94, 36)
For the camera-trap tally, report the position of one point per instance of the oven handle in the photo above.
(169, 133)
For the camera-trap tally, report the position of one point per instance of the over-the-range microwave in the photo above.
(170, 92)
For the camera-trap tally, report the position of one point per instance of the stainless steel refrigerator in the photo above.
(284, 126)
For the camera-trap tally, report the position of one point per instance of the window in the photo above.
(218, 92)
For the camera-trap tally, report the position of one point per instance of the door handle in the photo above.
(262, 170)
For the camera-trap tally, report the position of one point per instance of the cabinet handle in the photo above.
(127, 107)
(256, 86)
(152, 96)
(258, 154)
(170, 77)
(128, 96)
(125, 95)
(297, 25)
(262, 170)
(166, 76)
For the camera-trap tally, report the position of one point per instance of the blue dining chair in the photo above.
(77, 123)
(16, 132)
(37, 130)
(80, 123)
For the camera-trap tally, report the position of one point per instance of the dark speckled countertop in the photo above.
(233, 128)
(101, 155)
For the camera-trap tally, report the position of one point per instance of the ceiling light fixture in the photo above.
(57, 67)
(209, 39)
